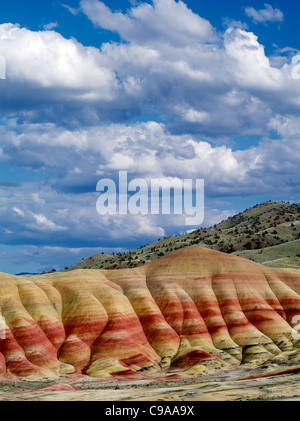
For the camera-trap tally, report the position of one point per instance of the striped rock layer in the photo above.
(194, 310)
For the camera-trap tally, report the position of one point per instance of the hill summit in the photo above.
(268, 233)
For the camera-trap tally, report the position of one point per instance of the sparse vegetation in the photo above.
(270, 226)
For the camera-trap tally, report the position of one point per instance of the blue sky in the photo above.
(171, 89)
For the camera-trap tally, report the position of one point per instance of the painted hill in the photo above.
(195, 311)
(262, 227)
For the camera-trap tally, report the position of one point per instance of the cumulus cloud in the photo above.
(73, 223)
(46, 73)
(171, 63)
(268, 14)
(151, 23)
(49, 60)
(79, 158)
(68, 109)
(250, 64)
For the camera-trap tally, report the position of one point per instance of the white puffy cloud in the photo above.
(51, 78)
(64, 220)
(80, 157)
(171, 63)
(249, 63)
(45, 224)
(162, 21)
(268, 14)
(67, 114)
(46, 59)
(48, 213)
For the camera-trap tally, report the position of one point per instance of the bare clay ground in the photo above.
(233, 386)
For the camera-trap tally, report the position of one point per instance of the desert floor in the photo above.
(241, 385)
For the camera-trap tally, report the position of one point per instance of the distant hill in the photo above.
(281, 256)
(268, 233)
(25, 273)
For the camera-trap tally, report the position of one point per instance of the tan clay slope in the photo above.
(195, 309)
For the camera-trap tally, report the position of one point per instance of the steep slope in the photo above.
(194, 310)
